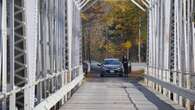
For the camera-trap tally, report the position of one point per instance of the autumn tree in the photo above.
(118, 23)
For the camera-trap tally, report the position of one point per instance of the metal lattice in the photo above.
(20, 50)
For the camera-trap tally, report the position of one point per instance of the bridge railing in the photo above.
(169, 84)
(171, 50)
(37, 39)
(61, 94)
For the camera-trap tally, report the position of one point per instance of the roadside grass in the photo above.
(137, 75)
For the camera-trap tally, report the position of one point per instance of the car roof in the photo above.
(111, 59)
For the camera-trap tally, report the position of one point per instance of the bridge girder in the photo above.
(171, 49)
(40, 51)
(39, 69)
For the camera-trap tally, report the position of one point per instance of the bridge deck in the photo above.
(117, 94)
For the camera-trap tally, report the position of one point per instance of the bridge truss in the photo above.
(171, 50)
(40, 52)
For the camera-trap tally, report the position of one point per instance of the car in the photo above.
(111, 66)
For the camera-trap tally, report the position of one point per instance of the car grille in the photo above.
(115, 71)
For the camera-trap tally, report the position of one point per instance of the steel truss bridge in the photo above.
(40, 51)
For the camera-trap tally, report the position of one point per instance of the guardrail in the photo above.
(169, 80)
(186, 93)
(75, 71)
(54, 98)
(18, 89)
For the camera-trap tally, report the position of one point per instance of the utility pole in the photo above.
(139, 42)
(89, 43)
(84, 34)
(106, 42)
(128, 53)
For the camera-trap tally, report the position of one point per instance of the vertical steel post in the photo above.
(70, 35)
(4, 51)
(31, 35)
(12, 98)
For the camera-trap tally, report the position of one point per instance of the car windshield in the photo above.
(111, 62)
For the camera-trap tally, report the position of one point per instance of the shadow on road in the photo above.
(150, 96)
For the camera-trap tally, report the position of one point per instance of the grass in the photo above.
(137, 75)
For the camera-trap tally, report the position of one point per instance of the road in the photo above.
(138, 66)
(135, 66)
(114, 93)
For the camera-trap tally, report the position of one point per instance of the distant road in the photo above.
(135, 66)
(138, 66)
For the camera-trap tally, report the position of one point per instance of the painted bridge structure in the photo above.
(41, 51)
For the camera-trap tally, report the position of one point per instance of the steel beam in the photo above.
(36, 44)
(176, 52)
(189, 94)
(4, 52)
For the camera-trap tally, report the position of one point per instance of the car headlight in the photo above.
(118, 68)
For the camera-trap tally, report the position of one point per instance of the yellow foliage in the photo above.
(119, 26)
(84, 17)
(127, 44)
(141, 40)
(110, 48)
(118, 5)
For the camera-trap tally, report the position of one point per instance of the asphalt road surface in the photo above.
(114, 93)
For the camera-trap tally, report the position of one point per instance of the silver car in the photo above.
(111, 66)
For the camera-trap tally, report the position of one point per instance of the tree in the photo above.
(118, 24)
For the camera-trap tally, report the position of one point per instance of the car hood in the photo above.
(112, 66)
